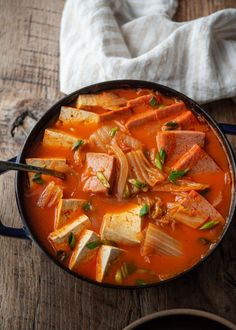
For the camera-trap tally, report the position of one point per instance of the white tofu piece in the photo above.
(65, 210)
(57, 138)
(122, 227)
(52, 163)
(69, 115)
(81, 252)
(60, 236)
(107, 255)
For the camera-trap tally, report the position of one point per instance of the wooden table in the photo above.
(35, 293)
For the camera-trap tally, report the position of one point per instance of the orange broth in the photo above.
(162, 266)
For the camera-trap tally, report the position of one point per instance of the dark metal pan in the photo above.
(52, 114)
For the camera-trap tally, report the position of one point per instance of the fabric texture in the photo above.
(131, 39)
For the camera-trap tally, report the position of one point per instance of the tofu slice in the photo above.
(106, 100)
(197, 160)
(52, 163)
(57, 138)
(153, 115)
(107, 255)
(65, 210)
(70, 116)
(176, 143)
(99, 162)
(184, 121)
(81, 253)
(195, 210)
(59, 237)
(122, 227)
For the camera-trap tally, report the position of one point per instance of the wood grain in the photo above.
(34, 293)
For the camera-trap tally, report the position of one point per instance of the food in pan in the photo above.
(147, 190)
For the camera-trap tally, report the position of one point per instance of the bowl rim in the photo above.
(53, 112)
(181, 311)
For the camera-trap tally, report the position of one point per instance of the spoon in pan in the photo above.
(6, 166)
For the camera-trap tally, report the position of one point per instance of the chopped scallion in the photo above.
(77, 144)
(71, 240)
(209, 225)
(144, 210)
(38, 178)
(93, 245)
(163, 155)
(62, 255)
(113, 131)
(87, 206)
(138, 184)
(101, 177)
(158, 161)
(140, 282)
(175, 174)
(171, 125)
(153, 102)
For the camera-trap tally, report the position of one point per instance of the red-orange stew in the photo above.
(147, 190)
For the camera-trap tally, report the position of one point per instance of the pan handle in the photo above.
(10, 231)
(228, 128)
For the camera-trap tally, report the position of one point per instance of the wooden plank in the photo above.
(34, 293)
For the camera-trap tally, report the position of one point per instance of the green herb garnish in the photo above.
(163, 155)
(140, 282)
(38, 178)
(77, 144)
(62, 255)
(174, 175)
(144, 210)
(125, 270)
(138, 184)
(153, 102)
(101, 177)
(209, 225)
(94, 244)
(171, 125)
(204, 241)
(158, 161)
(71, 240)
(113, 131)
(87, 206)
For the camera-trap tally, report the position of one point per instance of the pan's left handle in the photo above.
(10, 231)
(228, 128)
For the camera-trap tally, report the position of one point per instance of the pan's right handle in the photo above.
(228, 128)
(10, 231)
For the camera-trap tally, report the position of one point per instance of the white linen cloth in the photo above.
(136, 39)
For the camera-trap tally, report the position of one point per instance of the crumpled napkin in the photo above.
(132, 39)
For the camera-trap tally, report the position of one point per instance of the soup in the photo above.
(147, 190)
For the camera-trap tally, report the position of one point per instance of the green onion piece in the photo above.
(38, 178)
(125, 270)
(171, 125)
(209, 225)
(153, 102)
(163, 155)
(139, 281)
(113, 131)
(77, 144)
(144, 210)
(126, 192)
(204, 241)
(204, 191)
(118, 277)
(62, 255)
(158, 161)
(71, 240)
(87, 206)
(101, 177)
(161, 106)
(174, 175)
(138, 184)
(93, 245)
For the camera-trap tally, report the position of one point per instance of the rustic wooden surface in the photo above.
(34, 293)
